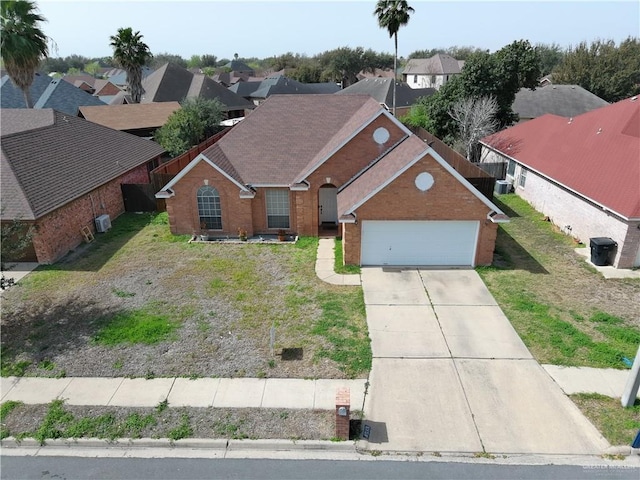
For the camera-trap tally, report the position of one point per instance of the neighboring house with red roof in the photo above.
(60, 172)
(310, 163)
(432, 72)
(581, 172)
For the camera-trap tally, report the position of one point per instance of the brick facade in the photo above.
(574, 215)
(580, 219)
(250, 214)
(448, 199)
(183, 207)
(59, 231)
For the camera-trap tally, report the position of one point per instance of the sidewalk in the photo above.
(605, 381)
(255, 392)
(183, 392)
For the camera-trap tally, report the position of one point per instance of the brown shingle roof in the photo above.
(50, 163)
(381, 173)
(130, 117)
(288, 134)
(172, 83)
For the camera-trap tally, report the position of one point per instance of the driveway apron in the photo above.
(450, 374)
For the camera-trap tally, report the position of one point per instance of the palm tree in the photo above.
(22, 43)
(131, 53)
(393, 14)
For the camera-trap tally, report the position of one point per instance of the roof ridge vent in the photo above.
(633, 99)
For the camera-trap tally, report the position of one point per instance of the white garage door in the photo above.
(420, 243)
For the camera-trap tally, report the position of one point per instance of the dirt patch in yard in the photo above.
(111, 423)
(228, 301)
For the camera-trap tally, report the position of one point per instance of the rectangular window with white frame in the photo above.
(277, 208)
(522, 179)
(511, 168)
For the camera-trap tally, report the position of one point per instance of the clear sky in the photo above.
(266, 28)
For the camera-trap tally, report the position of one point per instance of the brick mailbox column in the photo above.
(343, 407)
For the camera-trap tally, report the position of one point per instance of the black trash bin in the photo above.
(601, 248)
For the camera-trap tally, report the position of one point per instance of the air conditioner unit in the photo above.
(502, 187)
(103, 223)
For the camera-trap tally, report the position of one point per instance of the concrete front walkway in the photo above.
(325, 265)
(450, 374)
(183, 392)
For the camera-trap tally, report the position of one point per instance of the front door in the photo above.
(328, 205)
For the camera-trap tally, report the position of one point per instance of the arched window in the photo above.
(209, 208)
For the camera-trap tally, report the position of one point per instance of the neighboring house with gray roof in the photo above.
(258, 92)
(238, 67)
(172, 83)
(431, 72)
(306, 164)
(119, 77)
(381, 89)
(47, 93)
(562, 100)
(60, 173)
(12, 97)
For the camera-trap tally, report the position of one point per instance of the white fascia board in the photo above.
(549, 179)
(300, 187)
(351, 211)
(193, 163)
(364, 125)
(465, 182)
(165, 193)
(446, 166)
(270, 185)
(350, 218)
(397, 122)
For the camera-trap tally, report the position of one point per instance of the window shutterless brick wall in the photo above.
(59, 231)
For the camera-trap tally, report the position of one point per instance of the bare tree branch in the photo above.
(476, 117)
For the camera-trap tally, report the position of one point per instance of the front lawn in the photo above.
(564, 311)
(141, 302)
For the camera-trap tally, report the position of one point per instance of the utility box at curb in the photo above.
(343, 407)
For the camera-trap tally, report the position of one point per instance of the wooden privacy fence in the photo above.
(481, 180)
(163, 174)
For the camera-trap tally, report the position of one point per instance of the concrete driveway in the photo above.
(450, 374)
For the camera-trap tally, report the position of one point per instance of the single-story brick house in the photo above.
(60, 172)
(300, 162)
(582, 172)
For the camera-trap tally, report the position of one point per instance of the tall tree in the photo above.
(92, 68)
(197, 120)
(131, 53)
(499, 75)
(161, 58)
(393, 14)
(609, 71)
(476, 117)
(550, 56)
(22, 43)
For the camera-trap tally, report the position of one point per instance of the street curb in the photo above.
(288, 445)
(622, 450)
(199, 443)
